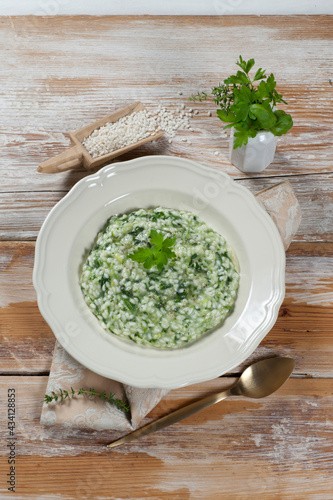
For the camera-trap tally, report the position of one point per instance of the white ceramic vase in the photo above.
(256, 155)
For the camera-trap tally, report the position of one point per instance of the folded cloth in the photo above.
(282, 205)
(93, 413)
(97, 414)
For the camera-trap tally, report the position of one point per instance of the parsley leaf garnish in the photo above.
(157, 254)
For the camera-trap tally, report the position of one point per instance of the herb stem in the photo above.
(91, 392)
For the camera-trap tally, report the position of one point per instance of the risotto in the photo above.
(165, 306)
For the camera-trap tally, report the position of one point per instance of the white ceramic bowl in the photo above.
(72, 225)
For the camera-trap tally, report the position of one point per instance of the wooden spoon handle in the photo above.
(72, 158)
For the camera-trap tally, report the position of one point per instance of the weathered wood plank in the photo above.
(62, 73)
(303, 329)
(315, 197)
(22, 214)
(282, 445)
(302, 332)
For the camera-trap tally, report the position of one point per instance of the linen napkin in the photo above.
(97, 414)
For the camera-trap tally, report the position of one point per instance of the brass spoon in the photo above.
(258, 381)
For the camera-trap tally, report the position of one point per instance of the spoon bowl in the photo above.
(263, 378)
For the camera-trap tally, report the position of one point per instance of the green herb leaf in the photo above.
(260, 74)
(149, 262)
(156, 238)
(241, 110)
(140, 255)
(245, 65)
(129, 305)
(169, 242)
(241, 63)
(158, 254)
(240, 77)
(161, 260)
(200, 96)
(262, 91)
(241, 138)
(283, 124)
(271, 83)
(266, 117)
(224, 116)
(169, 253)
(245, 94)
(249, 65)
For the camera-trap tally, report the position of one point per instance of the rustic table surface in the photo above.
(61, 73)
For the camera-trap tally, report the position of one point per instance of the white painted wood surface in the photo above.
(57, 79)
(281, 443)
(170, 8)
(61, 73)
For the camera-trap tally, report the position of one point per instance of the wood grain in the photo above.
(62, 73)
(303, 329)
(282, 444)
(23, 213)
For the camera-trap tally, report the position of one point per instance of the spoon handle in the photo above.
(172, 418)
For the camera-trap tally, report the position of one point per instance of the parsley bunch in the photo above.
(157, 254)
(247, 107)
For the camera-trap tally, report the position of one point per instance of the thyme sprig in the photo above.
(200, 96)
(91, 392)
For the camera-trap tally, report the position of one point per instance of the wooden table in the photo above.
(60, 73)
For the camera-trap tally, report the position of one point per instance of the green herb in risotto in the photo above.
(159, 277)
